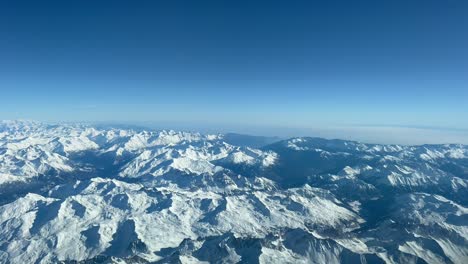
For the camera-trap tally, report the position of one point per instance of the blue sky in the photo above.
(237, 64)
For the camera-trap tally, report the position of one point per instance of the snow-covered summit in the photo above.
(74, 192)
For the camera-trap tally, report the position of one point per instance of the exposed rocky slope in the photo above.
(71, 193)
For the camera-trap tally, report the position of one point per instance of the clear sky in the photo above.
(238, 64)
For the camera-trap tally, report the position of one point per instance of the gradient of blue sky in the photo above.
(272, 63)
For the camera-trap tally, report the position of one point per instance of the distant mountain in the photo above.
(249, 141)
(75, 193)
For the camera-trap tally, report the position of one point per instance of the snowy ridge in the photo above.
(72, 192)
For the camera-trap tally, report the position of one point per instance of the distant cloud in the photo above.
(369, 134)
(396, 134)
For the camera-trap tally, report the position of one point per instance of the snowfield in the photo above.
(75, 193)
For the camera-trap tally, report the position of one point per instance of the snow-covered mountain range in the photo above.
(72, 193)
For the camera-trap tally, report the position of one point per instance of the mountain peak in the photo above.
(83, 193)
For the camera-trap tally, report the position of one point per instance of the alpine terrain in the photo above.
(75, 193)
